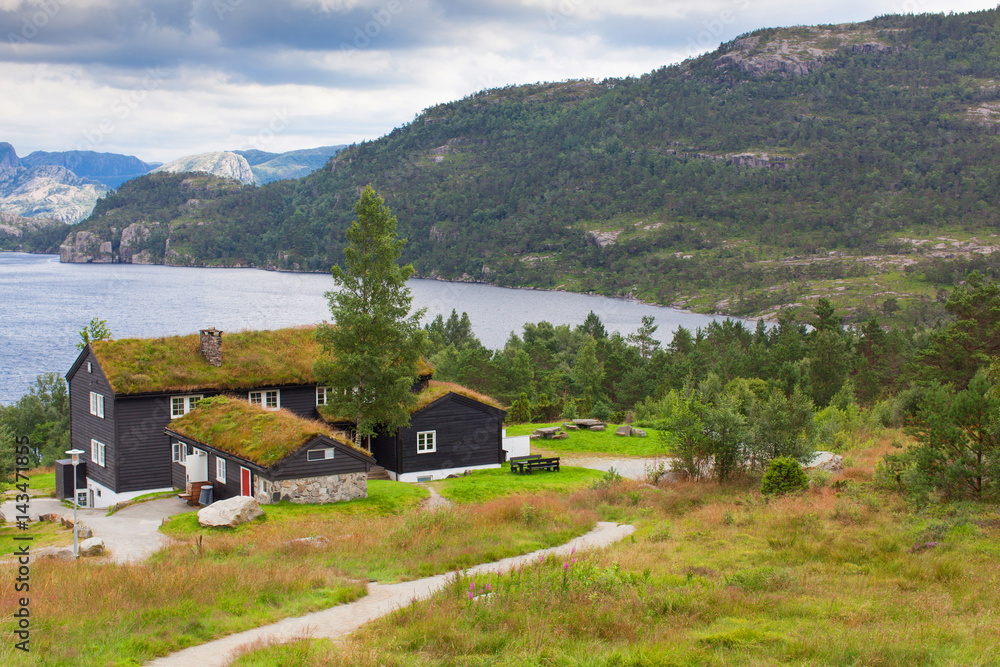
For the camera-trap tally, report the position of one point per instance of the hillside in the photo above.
(44, 190)
(111, 169)
(851, 161)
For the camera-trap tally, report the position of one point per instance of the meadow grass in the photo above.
(484, 485)
(216, 582)
(595, 442)
(720, 575)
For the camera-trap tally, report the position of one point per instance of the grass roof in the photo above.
(249, 431)
(436, 390)
(249, 359)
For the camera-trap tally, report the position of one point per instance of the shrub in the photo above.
(783, 475)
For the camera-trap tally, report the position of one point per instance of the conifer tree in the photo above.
(371, 353)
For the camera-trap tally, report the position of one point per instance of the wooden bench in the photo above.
(516, 462)
(538, 463)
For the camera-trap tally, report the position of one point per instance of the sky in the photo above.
(160, 79)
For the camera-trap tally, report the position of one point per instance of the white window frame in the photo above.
(97, 404)
(220, 469)
(322, 395)
(178, 451)
(90, 367)
(426, 442)
(186, 404)
(98, 452)
(323, 454)
(262, 397)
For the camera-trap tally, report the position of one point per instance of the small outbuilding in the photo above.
(241, 449)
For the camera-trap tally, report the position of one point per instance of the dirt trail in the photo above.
(381, 600)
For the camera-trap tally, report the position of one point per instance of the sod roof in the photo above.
(250, 432)
(249, 359)
(435, 390)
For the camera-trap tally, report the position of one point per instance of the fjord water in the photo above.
(44, 304)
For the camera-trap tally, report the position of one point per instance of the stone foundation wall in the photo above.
(316, 490)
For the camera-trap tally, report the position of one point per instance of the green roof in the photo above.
(435, 390)
(249, 359)
(249, 431)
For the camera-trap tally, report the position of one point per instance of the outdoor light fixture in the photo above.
(75, 453)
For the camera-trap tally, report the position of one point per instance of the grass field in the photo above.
(719, 575)
(216, 582)
(595, 442)
(484, 485)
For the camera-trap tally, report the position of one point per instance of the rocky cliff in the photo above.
(224, 164)
(797, 51)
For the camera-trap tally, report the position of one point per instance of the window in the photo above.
(181, 405)
(178, 451)
(319, 454)
(220, 469)
(321, 395)
(268, 399)
(97, 452)
(90, 367)
(96, 404)
(426, 441)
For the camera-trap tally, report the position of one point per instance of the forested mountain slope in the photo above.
(853, 161)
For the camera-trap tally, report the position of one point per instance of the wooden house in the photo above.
(243, 449)
(124, 394)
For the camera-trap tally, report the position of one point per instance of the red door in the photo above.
(246, 489)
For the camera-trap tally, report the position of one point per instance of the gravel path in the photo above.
(130, 535)
(381, 600)
(436, 501)
(633, 468)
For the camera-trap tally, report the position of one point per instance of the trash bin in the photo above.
(206, 495)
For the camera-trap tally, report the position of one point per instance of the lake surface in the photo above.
(44, 304)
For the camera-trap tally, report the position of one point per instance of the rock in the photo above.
(3, 519)
(313, 541)
(601, 239)
(230, 513)
(560, 436)
(52, 517)
(570, 427)
(548, 431)
(638, 433)
(825, 461)
(55, 553)
(224, 164)
(587, 423)
(599, 427)
(84, 532)
(624, 430)
(93, 546)
(535, 436)
(132, 239)
(85, 247)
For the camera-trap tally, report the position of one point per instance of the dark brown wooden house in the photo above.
(269, 455)
(124, 394)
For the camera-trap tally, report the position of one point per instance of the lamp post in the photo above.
(75, 453)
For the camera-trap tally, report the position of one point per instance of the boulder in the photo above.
(84, 532)
(587, 423)
(230, 513)
(560, 436)
(570, 427)
(548, 431)
(638, 433)
(52, 517)
(55, 553)
(93, 546)
(827, 461)
(599, 427)
(624, 430)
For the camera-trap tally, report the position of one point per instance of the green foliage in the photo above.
(520, 410)
(43, 416)
(372, 351)
(96, 330)
(783, 475)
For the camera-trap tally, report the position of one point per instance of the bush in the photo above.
(601, 411)
(783, 475)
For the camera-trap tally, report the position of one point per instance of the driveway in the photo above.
(130, 535)
(632, 468)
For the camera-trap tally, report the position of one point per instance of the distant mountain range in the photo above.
(66, 185)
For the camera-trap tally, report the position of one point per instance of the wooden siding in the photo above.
(384, 451)
(297, 465)
(85, 426)
(468, 433)
(300, 400)
(178, 471)
(231, 488)
(143, 448)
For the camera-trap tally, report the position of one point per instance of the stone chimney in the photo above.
(211, 346)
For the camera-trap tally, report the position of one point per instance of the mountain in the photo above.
(46, 191)
(268, 167)
(854, 162)
(30, 234)
(224, 164)
(111, 169)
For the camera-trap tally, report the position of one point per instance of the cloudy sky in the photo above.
(164, 78)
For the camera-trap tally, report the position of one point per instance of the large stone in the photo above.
(624, 430)
(548, 431)
(599, 427)
(587, 423)
(827, 461)
(638, 433)
(52, 517)
(230, 512)
(92, 547)
(84, 532)
(55, 553)
(570, 427)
